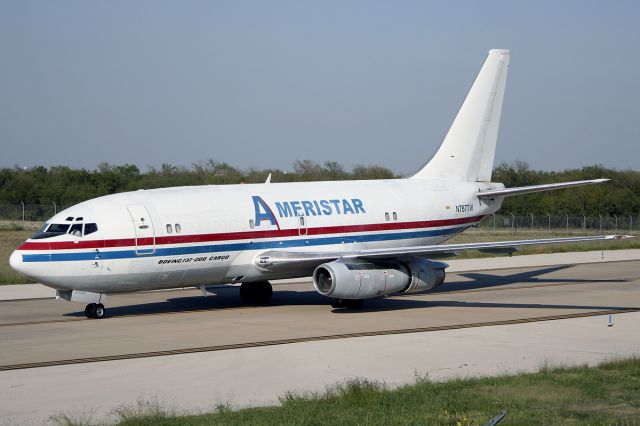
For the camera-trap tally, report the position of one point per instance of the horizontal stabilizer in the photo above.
(506, 192)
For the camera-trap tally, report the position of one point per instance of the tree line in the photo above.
(67, 186)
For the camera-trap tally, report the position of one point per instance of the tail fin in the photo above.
(468, 150)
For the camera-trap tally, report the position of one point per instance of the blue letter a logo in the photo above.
(263, 212)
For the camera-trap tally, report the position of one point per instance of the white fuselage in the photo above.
(191, 236)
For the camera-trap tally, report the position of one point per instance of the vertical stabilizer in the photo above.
(467, 152)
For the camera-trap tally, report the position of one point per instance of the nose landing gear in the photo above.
(94, 310)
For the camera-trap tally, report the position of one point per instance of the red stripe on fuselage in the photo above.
(250, 235)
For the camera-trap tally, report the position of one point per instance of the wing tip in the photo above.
(619, 237)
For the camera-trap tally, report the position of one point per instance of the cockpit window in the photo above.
(51, 230)
(76, 230)
(60, 228)
(90, 228)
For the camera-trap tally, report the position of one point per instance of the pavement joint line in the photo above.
(307, 339)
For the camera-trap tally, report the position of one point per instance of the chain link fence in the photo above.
(29, 212)
(561, 223)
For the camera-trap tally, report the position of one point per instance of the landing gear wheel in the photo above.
(245, 292)
(337, 303)
(99, 312)
(256, 293)
(353, 303)
(346, 303)
(89, 309)
(95, 311)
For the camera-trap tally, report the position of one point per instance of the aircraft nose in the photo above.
(16, 261)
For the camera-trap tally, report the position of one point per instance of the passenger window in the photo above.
(90, 228)
(252, 224)
(169, 228)
(76, 230)
(395, 216)
(386, 216)
(178, 228)
(301, 220)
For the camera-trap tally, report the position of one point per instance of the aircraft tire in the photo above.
(346, 303)
(263, 291)
(99, 311)
(337, 303)
(246, 292)
(89, 309)
(353, 303)
(95, 311)
(256, 293)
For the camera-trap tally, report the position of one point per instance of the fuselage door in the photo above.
(143, 226)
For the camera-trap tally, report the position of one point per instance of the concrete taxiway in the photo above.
(193, 352)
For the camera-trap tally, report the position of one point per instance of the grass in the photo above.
(480, 235)
(605, 395)
(11, 235)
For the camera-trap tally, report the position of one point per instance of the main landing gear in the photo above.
(346, 303)
(256, 293)
(94, 310)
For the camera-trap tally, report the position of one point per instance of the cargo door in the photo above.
(144, 232)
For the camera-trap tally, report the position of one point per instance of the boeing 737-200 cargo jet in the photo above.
(358, 239)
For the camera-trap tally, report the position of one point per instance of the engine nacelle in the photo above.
(425, 274)
(360, 279)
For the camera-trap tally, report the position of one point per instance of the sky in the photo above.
(262, 84)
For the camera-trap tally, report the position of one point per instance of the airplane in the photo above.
(357, 239)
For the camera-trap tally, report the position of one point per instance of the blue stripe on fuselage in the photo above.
(261, 245)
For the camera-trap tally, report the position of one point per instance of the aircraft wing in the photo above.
(282, 260)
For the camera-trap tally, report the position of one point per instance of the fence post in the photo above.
(22, 211)
(584, 222)
(630, 223)
(531, 221)
(616, 223)
(600, 224)
(567, 215)
(55, 208)
(549, 224)
(494, 222)
(513, 224)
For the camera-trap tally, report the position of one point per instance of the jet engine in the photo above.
(364, 279)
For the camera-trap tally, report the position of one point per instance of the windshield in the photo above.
(49, 230)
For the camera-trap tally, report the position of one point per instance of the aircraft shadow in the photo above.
(228, 298)
(480, 280)
(396, 304)
(223, 297)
